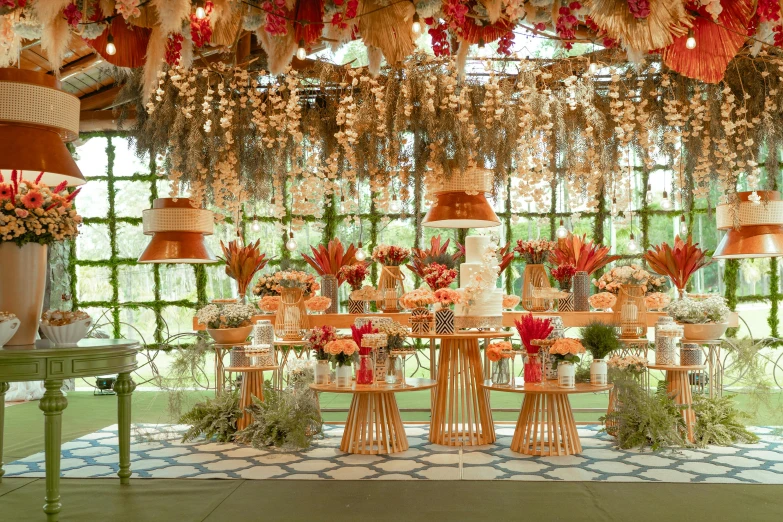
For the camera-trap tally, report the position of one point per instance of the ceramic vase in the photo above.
(598, 372)
(566, 304)
(566, 375)
(357, 307)
(23, 287)
(229, 336)
(321, 371)
(581, 292)
(704, 331)
(444, 321)
(329, 287)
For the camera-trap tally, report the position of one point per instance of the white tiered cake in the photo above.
(486, 299)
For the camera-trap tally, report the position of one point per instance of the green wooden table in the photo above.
(53, 365)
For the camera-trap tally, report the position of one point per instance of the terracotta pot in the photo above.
(24, 284)
(230, 335)
(705, 331)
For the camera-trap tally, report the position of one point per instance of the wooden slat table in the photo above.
(252, 385)
(678, 386)
(374, 426)
(461, 414)
(546, 425)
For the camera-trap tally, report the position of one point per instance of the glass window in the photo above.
(92, 243)
(93, 200)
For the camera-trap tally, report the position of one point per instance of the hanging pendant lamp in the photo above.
(36, 118)
(461, 201)
(760, 232)
(177, 229)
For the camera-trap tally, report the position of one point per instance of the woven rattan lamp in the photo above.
(177, 229)
(36, 117)
(461, 201)
(760, 232)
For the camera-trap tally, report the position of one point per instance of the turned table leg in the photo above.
(124, 387)
(680, 388)
(546, 426)
(374, 426)
(252, 385)
(461, 414)
(52, 404)
(3, 388)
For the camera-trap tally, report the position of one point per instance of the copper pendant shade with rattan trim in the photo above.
(760, 232)
(36, 118)
(177, 229)
(461, 201)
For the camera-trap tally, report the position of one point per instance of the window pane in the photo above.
(92, 283)
(132, 197)
(91, 157)
(93, 200)
(177, 282)
(92, 243)
(131, 240)
(136, 283)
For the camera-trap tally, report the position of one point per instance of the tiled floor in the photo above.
(158, 453)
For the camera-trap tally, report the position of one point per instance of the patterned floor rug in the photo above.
(158, 453)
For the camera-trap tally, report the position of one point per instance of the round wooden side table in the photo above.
(374, 426)
(461, 414)
(546, 425)
(252, 384)
(53, 365)
(221, 350)
(679, 387)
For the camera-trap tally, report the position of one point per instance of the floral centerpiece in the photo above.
(242, 263)
(319, 337)
(367, 293)
(390, 255)
(630, 363)
(354, 275)
(444, 315)
(566, 349)
(436, 253)
(586, 256)
(501, 355)
(417, 301)
(702, 319)
(390, 282)
(500, 350)
(341, 352)
(365, 373)
(32, 216)
(679, 263)
(317, 304)
(631, 274)
(531, 329)
(328, 262)
(536, 251)
(446, 297)
(438, 276)
(395, 334)
(266, 286)
(564, 275)
(296, 279)
(269, 303)
(227, 323)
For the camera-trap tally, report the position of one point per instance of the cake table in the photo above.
(461, 414)
(374, 426)
(546, 425)
(678, 386)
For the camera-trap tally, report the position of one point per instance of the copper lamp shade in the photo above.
(461, 210)
(177, 229)
(36, 117)
(760, 232)
(461, 200)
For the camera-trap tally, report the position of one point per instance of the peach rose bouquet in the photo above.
(341, 351)
(567, 349)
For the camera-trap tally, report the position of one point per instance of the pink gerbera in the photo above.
(5, 192)
(32, 199)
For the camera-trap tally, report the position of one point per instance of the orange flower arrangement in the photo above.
(495, 351)
(567, 346)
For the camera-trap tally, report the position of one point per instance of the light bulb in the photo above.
(290, 245)
(200, 12)
(416, 25)
(649, 195)
(666, 204)
(301, 53)
(632, 246)
(256, 226)
(111, 49)
(562, 231)
(683, 226)
(360, 254)
(395, 206)
(690, 43)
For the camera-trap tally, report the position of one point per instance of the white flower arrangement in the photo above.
(699, 311)
(218, 316)
(631, 363)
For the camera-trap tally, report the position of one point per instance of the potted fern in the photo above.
(702, 319)
(600, 340)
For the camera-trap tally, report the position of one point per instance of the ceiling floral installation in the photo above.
(226, 132)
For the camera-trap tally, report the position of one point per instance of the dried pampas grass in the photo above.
(668, 19)
(279, 49)
(156, 57)
(172, 14)
(387, 28)
(12, 42)
(55, 38)
(494, 9)
(226, 23)
(374, 58)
